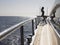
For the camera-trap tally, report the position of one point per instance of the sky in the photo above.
(24, 7)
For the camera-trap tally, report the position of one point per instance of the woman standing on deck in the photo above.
(42, 10)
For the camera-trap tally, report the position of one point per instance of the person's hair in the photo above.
(42, 7)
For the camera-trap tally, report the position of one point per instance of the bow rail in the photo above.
(10, 30)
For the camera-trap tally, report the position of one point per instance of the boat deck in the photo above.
(45, 35)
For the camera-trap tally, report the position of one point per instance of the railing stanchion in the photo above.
(29, 41)
(22, 35)
(36, 23)
(32, 27)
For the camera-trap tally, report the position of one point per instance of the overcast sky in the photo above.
(23, 7)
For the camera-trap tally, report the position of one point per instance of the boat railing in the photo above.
(54, 29)
(20, 26)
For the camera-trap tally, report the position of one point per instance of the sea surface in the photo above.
(14, 38)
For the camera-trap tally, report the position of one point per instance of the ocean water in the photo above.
(14, 38)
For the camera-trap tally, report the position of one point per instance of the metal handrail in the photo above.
(54, 29)
(10, 30)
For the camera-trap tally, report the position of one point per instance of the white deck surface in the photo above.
(45, 35)
(48, 36)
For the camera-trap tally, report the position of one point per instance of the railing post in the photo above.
(29, 41)
(22, 35)
(32, 27)
(36, 23)
(38, 20)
